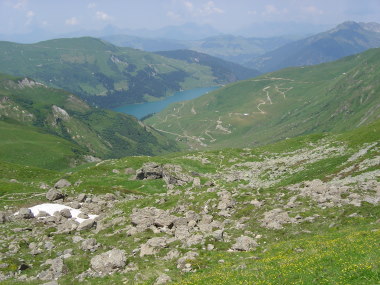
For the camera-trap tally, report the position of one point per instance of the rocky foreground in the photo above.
(188, 213)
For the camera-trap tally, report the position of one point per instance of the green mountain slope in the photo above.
(301, 211)
(102, 73)
(37, 118)
(344, 40)
(30, 146)
(329, 97)
(223, 70)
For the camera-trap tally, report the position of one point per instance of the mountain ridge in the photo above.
(345, 39)
(102, 73)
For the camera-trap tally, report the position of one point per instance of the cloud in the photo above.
(210, 8)
(71, 21)
(91, 5)
(188, 5)
(271, 10)
(20, 4)
(313, 10)
(29, 17)
(173, 15)
(100, 15)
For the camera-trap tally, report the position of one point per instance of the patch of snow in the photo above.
(53, 208)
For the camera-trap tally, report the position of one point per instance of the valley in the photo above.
(267, 173)
(329, 97)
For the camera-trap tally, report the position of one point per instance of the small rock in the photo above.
(83, 216)
(49, 245)
(163, 279)
(77, 239)
(244, 243)
(218, 235)
(196, 182)
(89, 244)
(172, 254)
(42, 214)
(129, 171)
(65, 213)
(81, 197)
(3, 217)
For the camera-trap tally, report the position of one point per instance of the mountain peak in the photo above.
(348, 25)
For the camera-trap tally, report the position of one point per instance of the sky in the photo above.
(61, 16)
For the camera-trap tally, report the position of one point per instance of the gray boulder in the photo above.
(56, 270)
(86, 225)
(244, 243)
(65, 213)
(62, 183)
(81, 197)
(54, 194)
(149, 170)
(67, 226)
(149, 216)
(25, 213)
(173, 175)
(109, 261)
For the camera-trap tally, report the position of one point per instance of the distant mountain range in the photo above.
(54, 129)
(237, 49)
(330, 97)
(108, 75)
(345, 39)
(223, 70)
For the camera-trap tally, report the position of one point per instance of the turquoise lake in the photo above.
(143, 109)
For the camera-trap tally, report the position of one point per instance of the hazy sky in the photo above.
(19, 16)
